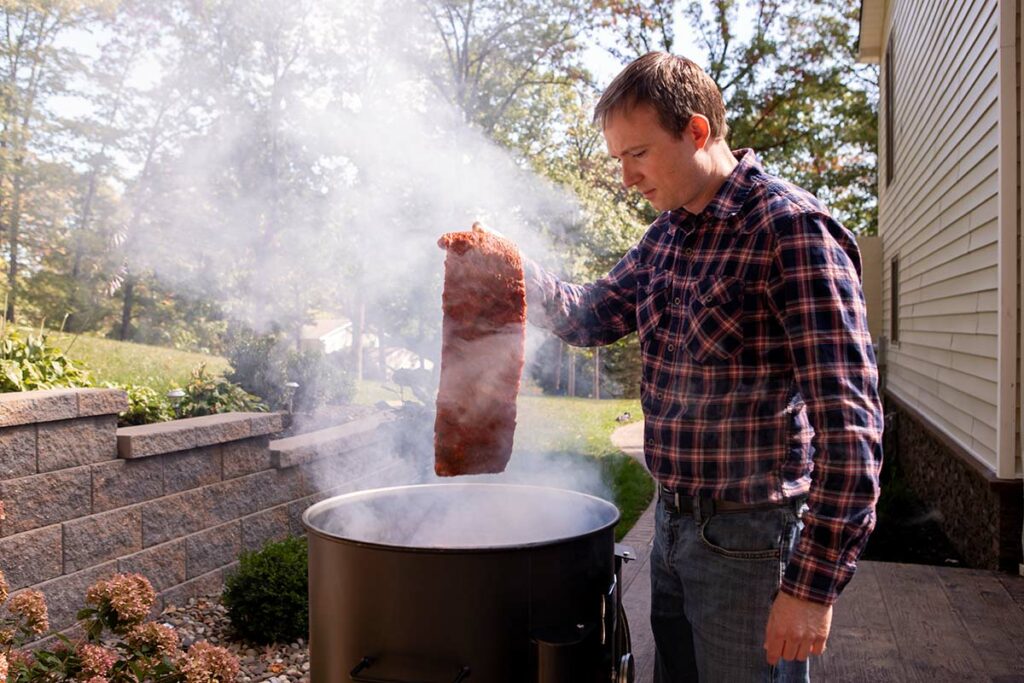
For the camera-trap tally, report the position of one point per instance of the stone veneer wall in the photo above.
(980, 513)
(176, 501)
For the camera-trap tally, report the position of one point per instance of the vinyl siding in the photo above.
(940, 216)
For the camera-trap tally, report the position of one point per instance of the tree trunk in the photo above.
(125, 333)
(358, 324)
(572, 372)
(558, 368)
(13, 239)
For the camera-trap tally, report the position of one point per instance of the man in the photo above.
(759, 386)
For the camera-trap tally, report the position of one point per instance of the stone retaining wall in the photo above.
(176, 501)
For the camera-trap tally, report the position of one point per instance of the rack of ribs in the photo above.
(482, 353)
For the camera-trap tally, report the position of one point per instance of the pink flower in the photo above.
(161, 638)
(3, 515)
(3, 667)
(3, 590)
(30, 605)
(97, 679)
(205, 663)
(96, 660)
(130, 596)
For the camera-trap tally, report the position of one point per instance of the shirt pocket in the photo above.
(652, 300)
(714, 331)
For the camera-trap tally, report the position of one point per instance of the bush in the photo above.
(145, 406)
(206, 395)
(267, 598)
(30, 362)
(263, 365)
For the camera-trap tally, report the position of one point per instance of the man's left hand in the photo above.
(796, 628)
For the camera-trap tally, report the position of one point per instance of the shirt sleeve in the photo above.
(815, 291)
(584, 315)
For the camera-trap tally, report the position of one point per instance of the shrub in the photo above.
(145, 406)
(30, 362)
(264, 364)
(133, 650)
(206, 395)
(267, 598)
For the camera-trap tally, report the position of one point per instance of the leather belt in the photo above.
(684, 503)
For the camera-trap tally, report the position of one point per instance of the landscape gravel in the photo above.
(207, 619)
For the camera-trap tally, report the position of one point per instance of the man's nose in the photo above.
(629, 175)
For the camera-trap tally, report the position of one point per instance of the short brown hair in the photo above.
(676, 87)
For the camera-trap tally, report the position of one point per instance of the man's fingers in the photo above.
(803, 650)
(790, 650)
(818, 647)
(773, 649)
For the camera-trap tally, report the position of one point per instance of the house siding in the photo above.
(940, 216)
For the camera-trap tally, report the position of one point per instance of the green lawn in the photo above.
(127, 363)
(581, 428)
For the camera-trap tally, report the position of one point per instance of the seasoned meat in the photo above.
(483, 342)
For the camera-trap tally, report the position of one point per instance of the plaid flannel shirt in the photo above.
(759, 379)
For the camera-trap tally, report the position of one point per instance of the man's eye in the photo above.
(641, 153)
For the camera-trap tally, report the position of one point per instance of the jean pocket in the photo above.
(715, 326)
(754, 535)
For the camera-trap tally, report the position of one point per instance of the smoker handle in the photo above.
(366, 662)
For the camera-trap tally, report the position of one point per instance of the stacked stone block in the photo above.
(177, 501)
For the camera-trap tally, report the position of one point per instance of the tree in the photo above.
(794, 91)
(34, 67)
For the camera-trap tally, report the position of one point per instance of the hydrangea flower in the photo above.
(96, 660)
(3, 667)
(3, 589)
(31, 606)
(205, 663)
(130, 596)
(161, 638)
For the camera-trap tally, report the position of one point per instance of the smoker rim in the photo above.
(334, 501)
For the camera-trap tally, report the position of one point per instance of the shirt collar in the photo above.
(730, 197)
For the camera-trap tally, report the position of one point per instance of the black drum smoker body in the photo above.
(488, 583)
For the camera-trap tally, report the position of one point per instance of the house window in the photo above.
(890, 104)
(894, 300)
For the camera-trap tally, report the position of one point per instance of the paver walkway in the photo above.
(894, 622)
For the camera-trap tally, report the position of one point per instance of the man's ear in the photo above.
(698, 129)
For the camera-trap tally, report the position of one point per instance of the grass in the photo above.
(581, 428)
(120, 362)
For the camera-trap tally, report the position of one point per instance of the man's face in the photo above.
(669, 170)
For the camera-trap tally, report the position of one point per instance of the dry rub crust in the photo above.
(482, 353)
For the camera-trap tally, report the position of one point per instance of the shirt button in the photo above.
(688, 251)
(650, 442)
(676, 301)
(671, 347)
(660, 395)
(708, 299)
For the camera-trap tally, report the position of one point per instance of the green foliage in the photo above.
(145, 406)
(267, 598)
(207, 395)
(30, 362)
(263, 365)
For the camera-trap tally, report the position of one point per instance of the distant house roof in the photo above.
(872, 31)
(321, 328)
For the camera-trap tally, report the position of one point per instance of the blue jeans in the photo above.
(713, 579)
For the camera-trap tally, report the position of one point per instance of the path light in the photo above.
(289, 394)
(175, 396)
